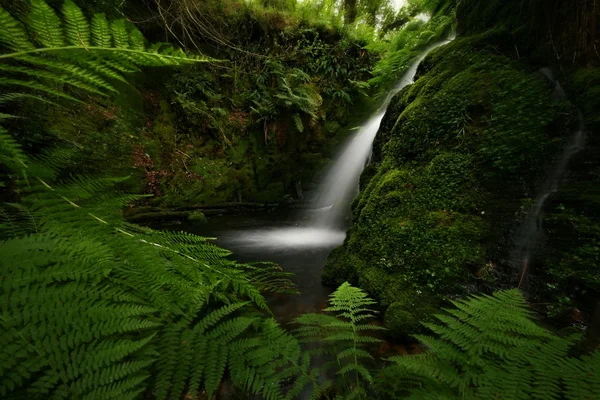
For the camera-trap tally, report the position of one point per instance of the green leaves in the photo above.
(94, 61)
(94, 307)
(10, 151)
(119, 34)
(72, 58)
(101, 36)
(488, 346)
(12, 34)
(45, 24)
(77, 26)
(343, 336)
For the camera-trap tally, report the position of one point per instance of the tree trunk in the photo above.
(349, 11)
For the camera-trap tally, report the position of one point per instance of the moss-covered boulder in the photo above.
(197, 217)
(405, 315)
(400, 320)
(456, 155)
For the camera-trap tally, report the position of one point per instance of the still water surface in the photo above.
(277, 237)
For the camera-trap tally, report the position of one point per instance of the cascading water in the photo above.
(530, 230)
(301, 245)
(323, 225)
(340, 186)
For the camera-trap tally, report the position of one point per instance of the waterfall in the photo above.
(531, 228)
(323, 224)
(331, 204)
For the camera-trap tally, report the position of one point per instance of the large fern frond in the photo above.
(489, 347)
(172, 278)
(67, 55)
(344, 336)
(11, 154)
(70, 58)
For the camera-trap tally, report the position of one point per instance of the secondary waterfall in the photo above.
(530, 230)
(323, 224)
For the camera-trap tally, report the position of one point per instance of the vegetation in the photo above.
(452, 168)
(342, 336)
(488, 347)
(145, 109)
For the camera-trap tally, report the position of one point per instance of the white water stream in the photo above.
(530, 230)
(323, 225)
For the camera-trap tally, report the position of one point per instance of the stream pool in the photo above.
(277, 237)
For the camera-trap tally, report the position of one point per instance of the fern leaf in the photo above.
(119, 34)
(101, 35)
(61, 78)
(298, 122)
(12, 34)
(76, 25)
(45, 24)
(37, 87)
(74, 75)
(10, 97)
(358, 369)
(11, 154)
(215, 368)
(136, 39)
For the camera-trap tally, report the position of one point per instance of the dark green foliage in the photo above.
(101, 305)
(585, 85)
(343, 337)
(568, 264)
(63, 60)
(261, 126)
(406, 46)
(549, 30)
(94, 307)
(449, 162)
(409, 309)
(489, 347)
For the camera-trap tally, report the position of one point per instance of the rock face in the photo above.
(455, 165)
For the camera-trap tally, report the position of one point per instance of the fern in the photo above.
(65, 57)
(101, 36)
(77, 27)
(11, 154)
(344, 335)
(93, 307)
(45, 25)
(489, 347)
(97, 305)
(66, 54)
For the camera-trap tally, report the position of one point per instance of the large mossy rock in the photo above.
(457, 154)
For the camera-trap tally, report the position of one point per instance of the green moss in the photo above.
(586, 87)
(164, 134)
(272, 193)
(399, 320)
(423, 219)
(197, 216)
(341, 266)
